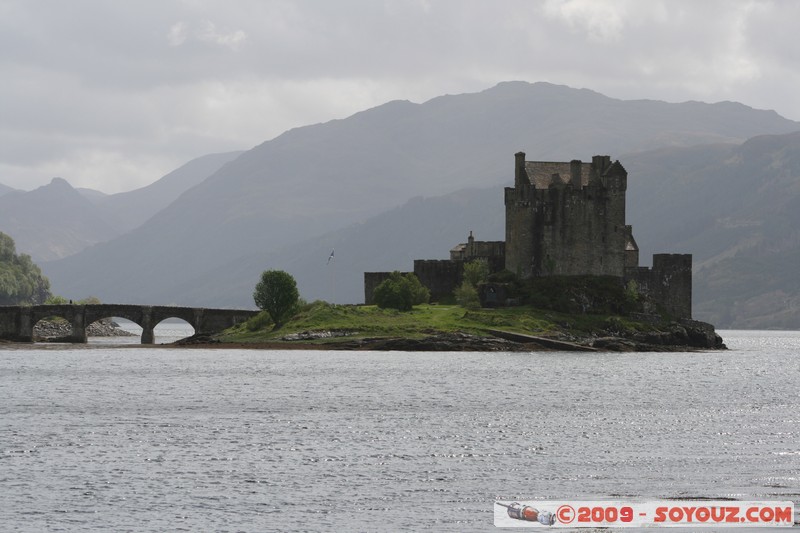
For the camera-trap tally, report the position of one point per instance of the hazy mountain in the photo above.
(737, 209)
(5, 189)
(57, 221)
(92, 195)
(423, 228)
(318, 178)
(53, 221)
(133, 208)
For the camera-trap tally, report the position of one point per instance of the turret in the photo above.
(600, 163)
(520, 176)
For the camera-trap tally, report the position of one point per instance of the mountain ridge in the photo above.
(312, 179)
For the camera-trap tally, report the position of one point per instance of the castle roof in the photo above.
(543, 174)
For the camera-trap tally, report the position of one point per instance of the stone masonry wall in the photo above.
(441, 277)
(668, 284)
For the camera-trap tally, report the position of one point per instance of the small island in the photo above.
(567, 277)
(430, 327)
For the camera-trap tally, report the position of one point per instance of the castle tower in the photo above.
(567, 218)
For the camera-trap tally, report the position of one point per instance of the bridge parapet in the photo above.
(17, 322)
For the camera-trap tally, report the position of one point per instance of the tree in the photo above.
(21, 281)
(276, 293)
(476, 272)
(401, 292)
(466, 294)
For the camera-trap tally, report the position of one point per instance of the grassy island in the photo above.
(452, 327)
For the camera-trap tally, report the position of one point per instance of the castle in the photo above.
(564, 219)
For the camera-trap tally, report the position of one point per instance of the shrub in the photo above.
(466, 295)
(401, 292)
(258, 322)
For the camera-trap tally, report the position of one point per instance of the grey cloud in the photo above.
(167, 80)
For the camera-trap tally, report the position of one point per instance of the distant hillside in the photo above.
(319, 178)
(92, 195)
(423, 228)
(56, 221)
(5, 189)
(737, 209)
(53, 221)
(135, 207)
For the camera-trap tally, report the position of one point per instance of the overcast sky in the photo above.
(113, 95)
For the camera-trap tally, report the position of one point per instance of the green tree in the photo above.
(21, 281)
(400, 291)
(466, 295)
(276, 293)
(476, 272)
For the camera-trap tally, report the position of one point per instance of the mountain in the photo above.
(133, 208)
(92, 195)
(53, 221)
(57, 221)
(314, 179)
(5, 189)
(735, 207)
(423, 228)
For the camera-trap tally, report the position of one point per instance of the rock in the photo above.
(442, 342)
(59, 329)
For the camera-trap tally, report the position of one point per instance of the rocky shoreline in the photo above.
(681, 336)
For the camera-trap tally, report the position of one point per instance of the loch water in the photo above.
(124, 438)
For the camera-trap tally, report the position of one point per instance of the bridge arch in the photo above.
(50, 328)
(16, 322)
(174, 328)
(77, 325)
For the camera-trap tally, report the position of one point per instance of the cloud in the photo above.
(600, 21)
(134, 89)
(207, 32)
(177, 34)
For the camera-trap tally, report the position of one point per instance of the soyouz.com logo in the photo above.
(667, 513)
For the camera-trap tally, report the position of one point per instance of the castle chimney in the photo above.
(470, 245)
(601, 163)
(520, 176)
(575, 173)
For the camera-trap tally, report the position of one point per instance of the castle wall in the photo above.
(519, 231)
(581, 233)
(668, 284)
(440, 276)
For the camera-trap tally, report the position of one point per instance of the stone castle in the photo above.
(564, 219)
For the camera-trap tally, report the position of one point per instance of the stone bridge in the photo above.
(16, 322)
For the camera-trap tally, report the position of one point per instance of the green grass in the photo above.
(361, 321)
